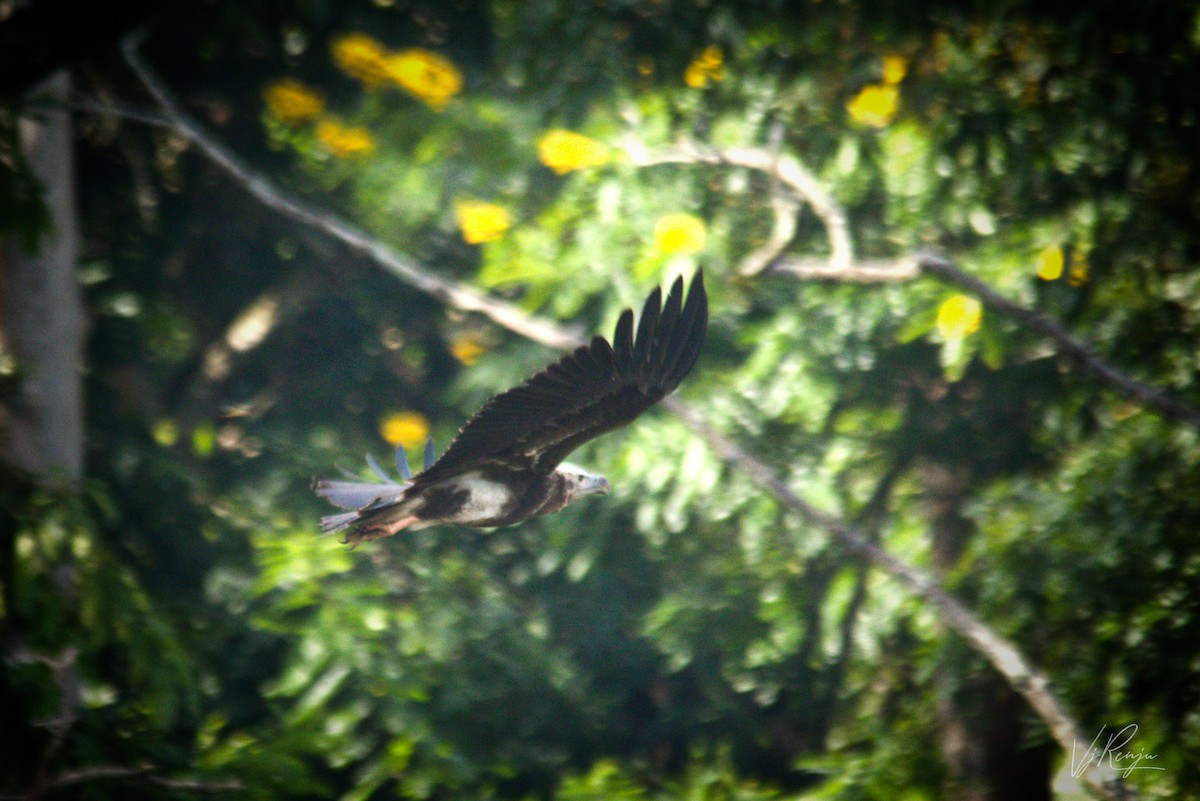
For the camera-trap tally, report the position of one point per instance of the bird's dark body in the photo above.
(506, 464)
(532, 495)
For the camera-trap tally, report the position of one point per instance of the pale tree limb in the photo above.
(1030, 682)
(785, 209)
(860, 271)
(787, 169)
(453, 293)
(1074, 349)
(842, 266)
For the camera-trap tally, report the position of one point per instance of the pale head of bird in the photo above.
(580, 482)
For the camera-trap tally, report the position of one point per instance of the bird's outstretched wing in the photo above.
(595, 389)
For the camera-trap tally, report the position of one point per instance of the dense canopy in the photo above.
(924, 515)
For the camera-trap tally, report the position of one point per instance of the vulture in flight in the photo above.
(506, 464)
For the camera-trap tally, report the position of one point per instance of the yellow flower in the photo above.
(165, 432)
(344, 141)
(894, 69)
(362, 57)
(563, 151)
(432, 78)
(1050, 263)
(405, 429)
(875, 105)
(679, 233)
(708, 66)
(958, 316)
(1079, 268)
(292, 101)
(480, 221)
(467, 349)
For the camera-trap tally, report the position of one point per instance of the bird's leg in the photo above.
(356, 538)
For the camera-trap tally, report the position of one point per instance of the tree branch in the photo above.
(453, 293)
(841, 266)
(787, 169)
(1005, 657)
(1032, 684)
(1074, 349)
(866, 271)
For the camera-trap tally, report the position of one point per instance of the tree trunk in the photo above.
(981, 718)
(41, 312)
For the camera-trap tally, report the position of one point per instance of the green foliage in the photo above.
(684, 637)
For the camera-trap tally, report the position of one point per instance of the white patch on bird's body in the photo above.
(485, 499)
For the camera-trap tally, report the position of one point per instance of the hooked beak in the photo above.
(597, 485)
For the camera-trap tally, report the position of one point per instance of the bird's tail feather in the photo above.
(332, 523)
(365, 498)
(355, 494)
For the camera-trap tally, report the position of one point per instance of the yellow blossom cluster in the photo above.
(361, 57)
(1049, 266)
(1079, 269)
(876, 104)
(959, 316)
(480, 221)
(708, 66)
(564, 151)
(467, 349)
(290, 100)
(431, 78)
(344, 141)
(405, 429)
(679, 233)
(1051, 261)
(894, 69)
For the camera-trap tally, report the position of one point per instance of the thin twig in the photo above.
(453, 293)
(1005, 657)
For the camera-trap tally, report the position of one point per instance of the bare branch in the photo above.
(1032, 684)
(842, 267)
(875, 271)
(788, 169)
(785, 210)
(1074, 349)
(452, 293)
(144, 772)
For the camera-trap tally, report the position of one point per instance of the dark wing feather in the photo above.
(595, 389)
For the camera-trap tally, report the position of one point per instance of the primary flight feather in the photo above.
(506, 464)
